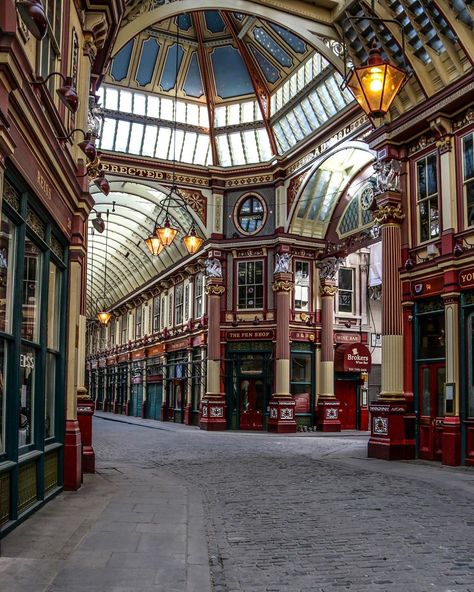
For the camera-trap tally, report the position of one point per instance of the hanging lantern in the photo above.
(166, 233)
(376, 85)
(192, 241)
(154, 244)
(103, 317)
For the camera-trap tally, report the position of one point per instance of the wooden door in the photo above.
(346, 394)
(431, 383)
(252, 402)
(154, 400)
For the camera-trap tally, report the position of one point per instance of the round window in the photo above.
(251, 213)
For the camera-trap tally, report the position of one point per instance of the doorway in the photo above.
(346, 394)
(432, 380)
(252, 403)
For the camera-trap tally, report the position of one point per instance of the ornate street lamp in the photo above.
(154, 244)
(192, 241)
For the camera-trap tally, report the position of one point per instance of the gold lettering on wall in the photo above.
(45, 186)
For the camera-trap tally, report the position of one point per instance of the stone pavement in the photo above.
(259, 512)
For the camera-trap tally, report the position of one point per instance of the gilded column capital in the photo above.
(283, 286)
(214, 289)
(326, 290)
(389, 214)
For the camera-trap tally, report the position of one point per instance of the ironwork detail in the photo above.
(11, 196)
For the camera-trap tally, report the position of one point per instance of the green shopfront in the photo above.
(32, 343)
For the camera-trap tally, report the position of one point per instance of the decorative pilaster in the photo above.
(282, 405)
(389, 439)
(327, 414)
(213, 407)
(451, 446)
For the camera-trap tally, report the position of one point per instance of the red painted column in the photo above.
(389, 439)
(212, 410)
(282, 405)
(327, 418)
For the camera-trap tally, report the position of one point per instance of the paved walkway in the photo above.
(174, 508)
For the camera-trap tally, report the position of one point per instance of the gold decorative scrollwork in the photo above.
(389, 214)
(328, 290)
(282, 286)
(215, 289)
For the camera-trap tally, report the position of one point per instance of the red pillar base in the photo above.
(187, 415)
(212, 414)
(72, 455)
(85, 412)
(389, 439)
(282, 415)
(451, 454)
(327, 418)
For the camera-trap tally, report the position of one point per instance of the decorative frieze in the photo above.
(467, 119)
(389, 214)
(249, 181)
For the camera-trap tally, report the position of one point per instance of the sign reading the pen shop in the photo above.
(466, 278)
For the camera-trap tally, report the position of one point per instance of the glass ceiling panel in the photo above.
(147, 63)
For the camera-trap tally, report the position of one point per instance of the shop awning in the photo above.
(352, 357)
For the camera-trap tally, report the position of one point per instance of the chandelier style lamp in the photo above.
(164, 233)
(375, 84)
(103, 315)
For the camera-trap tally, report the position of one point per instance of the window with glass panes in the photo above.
(301, 378)
(345, 293)
(112, 332)
(124, 328)
(156, 314)
(186, 315)
(178, 304)
(250, 284)
(427, 197)
(198, 296)
(302, 281)
(468, 175)
(49, 47)
(138, 322)
(251, 214)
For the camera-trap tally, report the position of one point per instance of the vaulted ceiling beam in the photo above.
(262, 92)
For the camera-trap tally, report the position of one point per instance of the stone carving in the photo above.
(213, 268)
(389, 214)
(95, 116)
(328, 290)
(282, 286)
(387, 175)
(214, 290)
(282, 263)
(329, 267)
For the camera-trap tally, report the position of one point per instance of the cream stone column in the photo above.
(388, 438)
(212, 411)
(327, 419)
(282, 405)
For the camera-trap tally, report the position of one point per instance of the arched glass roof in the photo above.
(133, 209)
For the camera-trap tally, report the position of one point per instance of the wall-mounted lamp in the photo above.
(101, 182)
(98, 222)
(66, 93)
(87, 145)
(461, 245)
(34, 16)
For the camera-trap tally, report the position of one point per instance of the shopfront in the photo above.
(33, 280)
(302, 382)
(136, 388)
(352, 363)
(176, 385)
(467, 378)
(154, 388)
(249, 384)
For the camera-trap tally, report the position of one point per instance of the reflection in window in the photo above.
(427, 195)
(346, 290)
(468, 176)
(54, 306)
(31, 291)
(251, 214)
(7, 265)
(50, 395)
(302, 285)
(250, 284)
(27, 389)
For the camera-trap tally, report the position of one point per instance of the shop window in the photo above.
(250, 214)
(250, 284)
(178, 305)
(31, 291)
(468, 176)
(27, 398)
(470, 337)
(345, 294)
(302, 282)
(3, 362)
(427, 198)
(156, 314)
(54, 309)
(138, 322)
(50, 396)
(7, 265)
(198, 296)
(431, 336)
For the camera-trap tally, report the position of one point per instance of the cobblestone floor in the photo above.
(311, 513)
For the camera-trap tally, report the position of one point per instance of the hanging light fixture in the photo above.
(104, 316)
(34, 16)
(375, 84)
(101, 182)
(164, 233)
(67, 93)
(87, 145)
